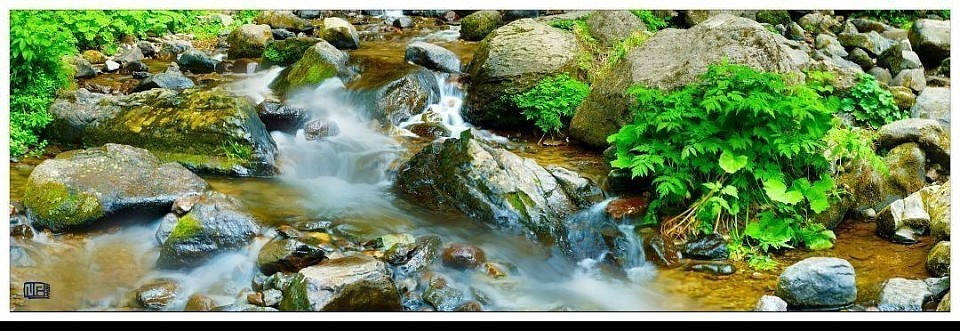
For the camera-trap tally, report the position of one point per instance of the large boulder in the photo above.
(511, 60)
(211, 131)
(613, 26)
(927, 133)
(286, 52)
(340, 33)
(673, 58)
(432, 57)
(933, 103)
(129, 55)
(171, 79)
(319, 62)
(938, 260)
(695, 17)
(248, 40)
(398, 100)
(899, 294)
(931, 39)
(936, 201)
(216, 223)
(490, 185)
(899, 57)
(283, 254)
(199, 62)
(353, 283)
(80, 188)
(872, 42)
(73, 112)
(282, 19)
(818, 282)
(476, 26)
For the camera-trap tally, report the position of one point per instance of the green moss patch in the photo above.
(57, 208)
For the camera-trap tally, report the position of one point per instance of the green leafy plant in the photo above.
(847, 144)
(650, 20)
(737, 140)
(552, 101)
(762, 262)
(871, 104)
(901, 18)
(237, 151)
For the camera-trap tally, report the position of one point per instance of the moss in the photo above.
(57, 208)
(478, 25)
(224, 165)
(295, 295)
(286, 52)
(187, 227)
(774, 17)
(303, 73)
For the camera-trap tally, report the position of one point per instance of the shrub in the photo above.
(871, 104)
(651, 20)
(552, 101)
(737, 143)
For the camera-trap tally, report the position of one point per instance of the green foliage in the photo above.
(566, 24)
(237, 151)
(737, 140)
(871, 104)
(901, 18)
(847, 144)
(651, 20)
(616, 53)
(551, 101)
(761, 262)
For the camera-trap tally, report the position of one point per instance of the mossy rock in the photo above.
(353, 283)
(774, 17)
(319, 62)
(210, 131)
(938, 260)
(479, 24)
(217, 223)
(282, 19)
(80, 188)
(286, 52)
(248, 40)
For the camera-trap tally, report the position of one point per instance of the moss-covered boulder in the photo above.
(479, 24)
(81, 188)
(511, 60)
(210, 131)
(774, 17)
(319, 62)
(490, 185)
(938, 260)
(353, 283)
(340, 33)
(936, 201)
(673, 58)
(612, 26)
(286, 52)
(282, 19)
(216, 223)
(929, 134)
(73, 112)
(248, 40)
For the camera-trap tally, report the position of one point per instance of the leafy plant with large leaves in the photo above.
(739, 151)
(871, 104)
(552, 101)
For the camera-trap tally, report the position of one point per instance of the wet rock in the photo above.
(476, 26)
(289, 255)
(319, 62)
(427, 250)
(158, 293)
(237, 307)
(248, 40)
(444, 298)
(210, 131)
(863, 59)
(199, 62)
(111, 66)
(933, 103)
(82, 187)
(511, 60)
(899, 294)
(591, 234)
(217, 223)
(171, 79)
(169, 49)
(708, 247)
(148, 49)
(429, 130)
(129, 55)
(912, 78)
(662, 252)
(716, 269)
(938, 260)
(318, 129)
(310, 14)
(927, 133)
(281, 34)
(936, 200)
(83, 68)
(279, 117)
(134, 67)
(403, 22)
(899, 57)
(931, 38)
(167, 224)
(872, 42)
(945, 303)
(487, 184)
(583, 191)
(463, 256)
(400, 99)
(353, 283)
(200, 302)
(340, 33)
(470, 306)
(282, 19)
(286, 52)
(93, 56)
(613, 26)
(818, 282)
(770, 303)
(432, 57)
(673, 58)
(628, 207)
(73, 112)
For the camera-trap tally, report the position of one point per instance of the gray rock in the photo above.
(931, 39)
(794, 31)
(928, 133)
(158, 293)
(872, 42)
(403, 22)
(167, 224)
(819, 23)
(171, 79)
(432, 57)
(867, 25)
(933, 103)
(312, 14)
(899, 294)
(444, 298)
(938, 286)
(129, 55)
(511, 60)
(353, 283)
(861, 58)
(217, 223)
(288, 255)
(249, 40)
(148, 49)
(818, 282)
(272, 297)
(199, 62)
(322, 128)
(673, 58)
(695, 17)
(111, 66)
(73, 112)
(770, 303)
(281, 34)
(83, 68)
(830, 45)
(912, 78)
(882, 75)
(80, 188)
(583, 191)
(279, 117)
(477, 25)
(899, 57)
(398, 100)
(903, 219)
(340, 33)
(708, 247)
(426, 251)
(938, 260)
(170, 49)
(613, 26)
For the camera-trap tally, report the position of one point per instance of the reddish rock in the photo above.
(628, 207)
(463, 256)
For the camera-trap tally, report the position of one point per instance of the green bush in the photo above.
(871, 104)
(736, 144)
(552, 101)
(651, 20)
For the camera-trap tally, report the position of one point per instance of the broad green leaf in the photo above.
(777, 191)
(732, 163)
(730, 190)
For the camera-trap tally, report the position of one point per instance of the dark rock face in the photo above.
(171, 79)
(198, 62)
(353, 283)
(716, 269)
(82, 187)
(409, 95)
(288, 255)
(281, 34)
(463, 256)
(818, 282)
(709, 247)
(279, 117)
(216, 223)
(432, 57)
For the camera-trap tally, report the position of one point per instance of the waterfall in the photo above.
(587, 243)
